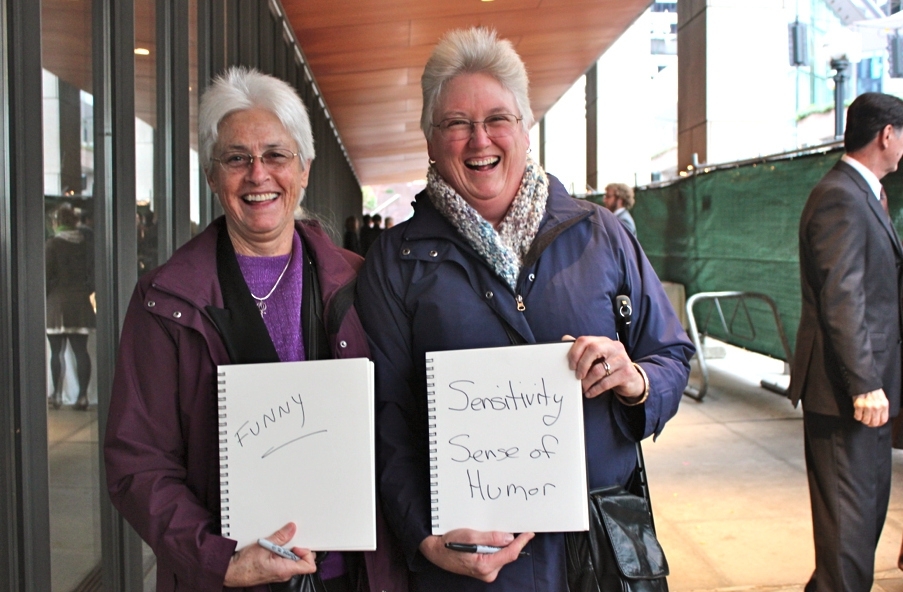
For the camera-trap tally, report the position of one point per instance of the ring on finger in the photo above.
(607, 367)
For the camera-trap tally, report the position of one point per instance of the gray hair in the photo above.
(474, 51)
(240, 88)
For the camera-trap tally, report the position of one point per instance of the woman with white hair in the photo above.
(498, 253)
(248, 289)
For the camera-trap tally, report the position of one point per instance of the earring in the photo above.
(432, 161)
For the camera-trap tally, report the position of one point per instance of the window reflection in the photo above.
(145, 133)
(195, 166)
(68, 130)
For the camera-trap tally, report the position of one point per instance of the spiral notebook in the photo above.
(506, 440)
(296, 445)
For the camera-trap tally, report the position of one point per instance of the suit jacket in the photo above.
(848, 341)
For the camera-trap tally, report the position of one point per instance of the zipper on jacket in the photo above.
(521, 307)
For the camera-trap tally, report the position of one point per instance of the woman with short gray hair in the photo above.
(234, 294)
(498, 253)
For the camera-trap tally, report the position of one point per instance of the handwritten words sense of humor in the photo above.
(506, 440)
(511, 397)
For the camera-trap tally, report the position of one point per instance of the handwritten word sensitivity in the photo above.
(513, 401)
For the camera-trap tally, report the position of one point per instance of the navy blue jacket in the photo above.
(423, 288)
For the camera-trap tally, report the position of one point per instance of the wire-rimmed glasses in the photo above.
(273, 159)
(498, 125)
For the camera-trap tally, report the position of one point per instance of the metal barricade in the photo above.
(728, 327)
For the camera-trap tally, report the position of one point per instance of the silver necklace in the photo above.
(261, 302)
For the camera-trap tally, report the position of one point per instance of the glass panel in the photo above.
(68, 189)
(145, 125)
(145, 138)
(193, 115)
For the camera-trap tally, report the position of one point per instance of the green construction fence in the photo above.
(735, 228)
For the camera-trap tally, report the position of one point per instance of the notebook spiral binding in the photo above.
(431, 434)
(223, 458)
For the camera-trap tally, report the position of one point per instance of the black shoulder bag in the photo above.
(620, 552)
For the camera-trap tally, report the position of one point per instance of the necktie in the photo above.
(884, 202)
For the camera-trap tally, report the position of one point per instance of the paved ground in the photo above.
(727, 477)
(729, 488)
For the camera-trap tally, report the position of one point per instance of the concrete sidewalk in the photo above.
(729, 490)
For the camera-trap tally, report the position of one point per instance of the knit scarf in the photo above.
(503, 249)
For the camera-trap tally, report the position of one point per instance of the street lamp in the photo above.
(841, 65)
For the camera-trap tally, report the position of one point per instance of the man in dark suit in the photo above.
(847, 365)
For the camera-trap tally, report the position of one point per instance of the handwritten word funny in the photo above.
(270, 418)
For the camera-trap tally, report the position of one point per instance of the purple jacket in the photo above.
(161, 441)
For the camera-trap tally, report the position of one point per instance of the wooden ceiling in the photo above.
(367, 57)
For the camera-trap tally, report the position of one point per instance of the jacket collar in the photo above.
(190, 273)
(873, 204)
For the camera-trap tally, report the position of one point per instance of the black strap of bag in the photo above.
(316, 347)
(639, 484)
(620, 551)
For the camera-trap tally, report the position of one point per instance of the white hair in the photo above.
(240, 88)
(474, 51)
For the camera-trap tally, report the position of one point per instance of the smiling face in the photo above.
(259, 203)
(486, 172)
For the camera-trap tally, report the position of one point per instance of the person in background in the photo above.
(846, 368)
(69, 268)
(365, 231)
(352, 238)
(234, 294)
(147, 242)
(389, 223)
(372, 234)
(495, 248)
(619, 200)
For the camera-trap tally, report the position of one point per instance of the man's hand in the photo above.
(871, 408)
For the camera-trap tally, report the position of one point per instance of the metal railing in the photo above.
(728, 327)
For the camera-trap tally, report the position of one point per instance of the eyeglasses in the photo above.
(499, 125)
(273, 160)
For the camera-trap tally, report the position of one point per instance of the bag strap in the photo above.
(623, 319)
(316, 342)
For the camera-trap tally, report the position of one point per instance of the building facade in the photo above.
(99, 113)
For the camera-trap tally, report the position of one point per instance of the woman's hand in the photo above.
(254, 565)
(602, 364)
(482, 566)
